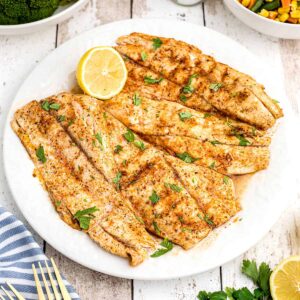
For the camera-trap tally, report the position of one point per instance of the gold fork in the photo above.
(64, 293)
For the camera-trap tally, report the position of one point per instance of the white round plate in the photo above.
(61, 14)
(263, 201)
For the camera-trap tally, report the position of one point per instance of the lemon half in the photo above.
(101, 72)
(285, 280)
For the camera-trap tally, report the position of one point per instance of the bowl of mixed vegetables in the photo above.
(279, 18)
(25, 16)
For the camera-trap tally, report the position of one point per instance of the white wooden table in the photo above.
(20, 54)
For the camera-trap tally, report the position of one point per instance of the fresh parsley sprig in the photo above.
(260, 277)
(167, 247)
(85, 216)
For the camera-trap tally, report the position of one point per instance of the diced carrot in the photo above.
(273, 15)
(251, 4)
(285, 3)
(292, 20)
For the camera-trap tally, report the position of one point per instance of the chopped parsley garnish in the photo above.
(215, 86)
(206, 115)
(183, 98)
(243, 140)
(156, 228)
(188, 89)
(207, 219)
(275, 101)
(157, 42)
(85, 216)
(61, 118)
(124, 162)
(140, 145)
(118, 149)
(212, 165)
(260, 277)
(136, 100)
(117, 179)
(173, 187)
(167, 247)
(226, 179)
(129, 136)
(154, 197)
(40, 153)
(150, 80)
(215, 142)
(58, 203)
(46, 105)
(185, 115)
(144, 56)
(139, 219)
(71, 122)
(98, 137)
(186, 157)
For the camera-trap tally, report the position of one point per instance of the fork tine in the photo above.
(1, 298)
(62, 287)
(56, 293)
(6, 292)
(38, 284)
(17, 294)
(49, 294)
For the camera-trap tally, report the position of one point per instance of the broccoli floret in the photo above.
(25, 11)
(43, 3)
(41, 13)
(5, 20)
(15, 9)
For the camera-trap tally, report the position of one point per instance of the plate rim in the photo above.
(7, 127)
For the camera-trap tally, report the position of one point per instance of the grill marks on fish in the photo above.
(114, 226)
(238, 95)
(146, 167)
(226, 159)
(213, 191)
(163, 118)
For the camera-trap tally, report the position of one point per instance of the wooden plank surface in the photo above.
(18, 58)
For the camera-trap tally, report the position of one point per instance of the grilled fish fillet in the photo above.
(213, 191)
(144, 170)
(233, 93)
(168, 118)
(164, 90)
(74, 184)
(226, 159)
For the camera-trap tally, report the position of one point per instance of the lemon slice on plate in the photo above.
(101, 72)
(285, 280)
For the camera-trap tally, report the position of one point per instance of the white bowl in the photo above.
(262, 24)
(61, 14)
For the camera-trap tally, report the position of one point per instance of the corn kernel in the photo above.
(264, 13)
(283, 10)
(268, 0)
(273, 14)
(283, 17)
(246, 2)
(277, 19)
(294, 5)
(295, 14)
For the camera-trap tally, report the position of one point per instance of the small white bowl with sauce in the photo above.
(262, 24)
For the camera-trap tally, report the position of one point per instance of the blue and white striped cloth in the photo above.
(18, 251)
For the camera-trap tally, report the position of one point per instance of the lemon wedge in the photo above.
(101, 72)
(285, 280)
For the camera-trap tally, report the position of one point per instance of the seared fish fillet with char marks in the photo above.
(114, 227)
(213, 191)
(226, 159)
(163, 90)
(168, 118)
(85, 123)
(145, 166)
(176, 214)
(233, 93)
